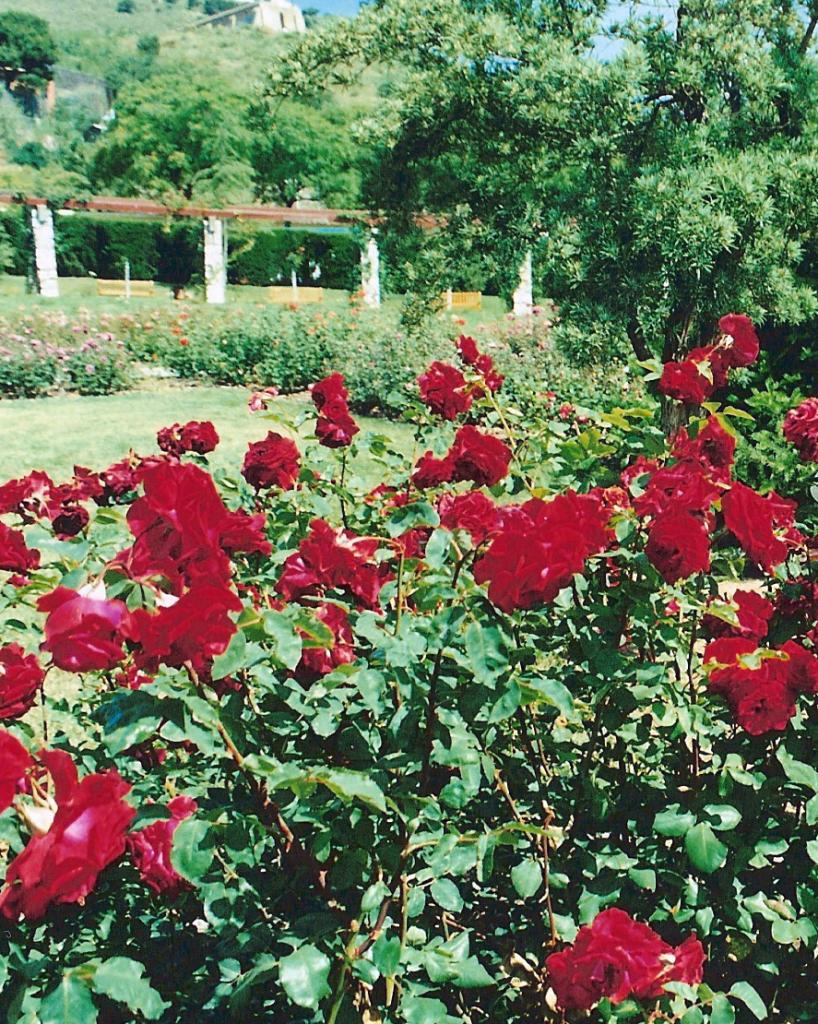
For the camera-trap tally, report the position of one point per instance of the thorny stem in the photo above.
(341, 489)
(399, 598)
(692, 686)
(429, 729)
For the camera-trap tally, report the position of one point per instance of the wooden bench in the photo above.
(463, 300)
(286, 295)
(121, 289)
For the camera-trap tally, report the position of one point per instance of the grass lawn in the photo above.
(80, 293)
(56, 433)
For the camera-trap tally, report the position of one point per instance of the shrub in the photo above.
(531, 741)
(27, 375)
(96, 372)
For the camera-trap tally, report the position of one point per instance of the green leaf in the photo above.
(470, 973)
(351, 785)
(645, 878)
(673, 821)
(485, 647)
(553, 692)
(128, 717)
(386, 955)
(706, 852)
(727, 817)
(121, 979)
(446, 894)
(421, 1010)
(744, 991)
(419, 513)
(287, 641)
(303, 976)
(797, 771)
(722, 1012)
(69, 1003)
(526, 877)
(232, 659)
(192, 851)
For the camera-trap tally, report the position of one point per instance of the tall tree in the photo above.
(27, 51)
(667, 183)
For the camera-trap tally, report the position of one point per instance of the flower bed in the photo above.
(524, 733)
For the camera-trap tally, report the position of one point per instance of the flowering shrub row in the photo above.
(524, 733)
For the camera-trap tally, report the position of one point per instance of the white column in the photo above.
(215, 260)
(45, 255)
(371, 273)
(523, 299)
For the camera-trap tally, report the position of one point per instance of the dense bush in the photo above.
(469, 745)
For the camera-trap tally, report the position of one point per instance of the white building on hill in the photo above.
(271, 16)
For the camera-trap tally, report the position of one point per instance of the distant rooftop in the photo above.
(270, 16)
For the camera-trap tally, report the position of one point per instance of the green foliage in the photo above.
(27, 51)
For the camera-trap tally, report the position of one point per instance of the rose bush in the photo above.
(525, 733)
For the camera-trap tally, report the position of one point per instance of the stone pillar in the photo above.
(523, 299)
(371, 273)
(215, 260)
(45, 255)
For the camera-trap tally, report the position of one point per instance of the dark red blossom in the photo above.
(118, 480)
(87, 833)
(183, 530)
(432, 472)
(15, 555)
(198, 436)
(678, 545)
(617, 957)
(763, 526)
(273, 462)
(27, 496)
(320, 661)
(683, 487)
(151, 846)
(21, 678)
(712, 448)
(473, 512)
(333, 560)
(335, 426)
(741, 346)
(760, 685)
(444, 390)
(478, 457)
(83, 629)
(15, 761)
(753, 612)
(194, 629)
(694, 379)
(801, 429)
(539, 547)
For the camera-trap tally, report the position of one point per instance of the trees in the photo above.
(672, 180)
(27, 51)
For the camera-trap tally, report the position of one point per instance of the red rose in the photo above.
(21, 678)
(150, 849)
(616, 957)
(539, 547)
(753, 612)
(694, 379)
(682, 487)
(712, 448)
(334, 427)
(444, 390)
(183, 530)
(273, 462)
(15, 555)
(760, 686)
(467, 347)
(194, 628)
(491, 378)
(68, 520)
(473, 512)
(118, 480)
(27, 496)
(801, 429)
(86, 835)
(330, 560)
(329, 389)
(642, 467)
(320, 661)
(196, 436)
(82, 631)
(678, 545)
(431, 472)
(741, 346)
(478, 457)
(15, 761)
(763, 526)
